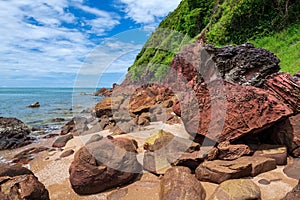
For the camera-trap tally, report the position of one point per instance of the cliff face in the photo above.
(217, 22)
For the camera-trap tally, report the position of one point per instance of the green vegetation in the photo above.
(285, 45)
(267, 23)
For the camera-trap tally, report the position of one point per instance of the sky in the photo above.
(62, 43)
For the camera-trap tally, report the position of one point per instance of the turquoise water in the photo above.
(55, 103)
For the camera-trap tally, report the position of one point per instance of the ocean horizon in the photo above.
(55, 102)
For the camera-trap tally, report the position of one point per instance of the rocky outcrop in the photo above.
(103, 165)
(20, 183)
(178, 183)
(241, 189)
(13, 133)
(76, 126)
(218, 171)
(223, 92)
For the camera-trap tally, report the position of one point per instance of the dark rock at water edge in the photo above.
(13, 133)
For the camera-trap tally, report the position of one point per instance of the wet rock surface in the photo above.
(13, 133)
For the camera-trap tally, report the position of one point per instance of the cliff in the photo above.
(222, 22)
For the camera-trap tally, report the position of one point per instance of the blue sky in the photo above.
(53, 43)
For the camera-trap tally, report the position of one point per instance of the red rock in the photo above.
(286, 132)
(229, 151)
(103, 165)
(248, 110)
(278, 153)
(178, 183)
(218, 171)
(22, 187)
(286, 88)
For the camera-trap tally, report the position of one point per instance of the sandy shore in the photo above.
(53, 171)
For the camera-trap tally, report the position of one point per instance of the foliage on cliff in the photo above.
(218, 22)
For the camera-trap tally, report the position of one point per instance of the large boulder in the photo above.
(19, 183)
(104, 164)
(179, 183)
(22, 187)
(239, 189)
(225, 101)
(13, 133)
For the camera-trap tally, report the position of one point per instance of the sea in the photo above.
(64, 103)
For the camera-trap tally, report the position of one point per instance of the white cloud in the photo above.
(147, 11)
(36, 42)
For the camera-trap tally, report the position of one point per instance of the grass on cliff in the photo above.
(285, 45)
(223, 22)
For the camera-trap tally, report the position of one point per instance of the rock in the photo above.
(103, 165)
(159, 140)
(190, 160)
(248, 109)
(292, 169)
(294, 194)
(76, 126)
(229, 151)
(144, 119)
(66, 153)
(218, 171)
(244, 64)
(286, 88)
(22, 187)
(62, 141)
(108, 105)
(34, 105)
(14, 170)
(58, 120)
(179, 183)
(94, 138)
(239, 189)
(27, 155)
(147, 187)
(164, 150)
(260, 164)
(286, 132)
(13, 133)
(279, 153)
